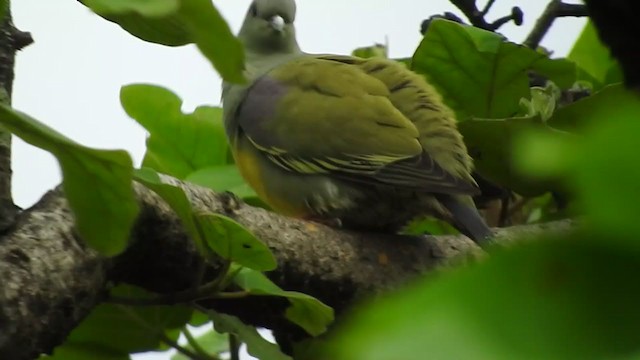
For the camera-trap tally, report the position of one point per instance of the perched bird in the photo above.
(327, 137)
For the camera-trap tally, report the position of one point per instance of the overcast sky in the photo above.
(71, 76)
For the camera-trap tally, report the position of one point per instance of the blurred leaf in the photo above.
(602, 163)
(113, 331)
(377, 50)
(84, 352)
(556, 299)
(478, 73)
(179, 143)
(234, 242)
(490, 143)
(594, 59)
(212, 342)
(97, 183)
(575, 116)
(198, 318)
(306, 311)
(606, 170)
(4, 7)
(214, 38)
(256, 345)
(222, 178)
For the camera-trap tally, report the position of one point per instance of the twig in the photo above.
(555, 9)
(194, 343)
(234, 347)
(487, 7)
(183, 350)
(476, 17)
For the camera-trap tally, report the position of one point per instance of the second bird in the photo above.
(329, 137)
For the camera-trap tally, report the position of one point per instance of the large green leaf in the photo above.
(179, 143)
(594, 59)
(234, 242)
(490, 143)
(256, 344)
(575, 116)
(179, 22)
(97, 183)
(543, 300)
(478, 73)
(306, 311)
(113, 331)
(154, 21)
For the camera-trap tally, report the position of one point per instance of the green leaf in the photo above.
(179, 143)
(222, 178)
(306, 311)
(179, 22)
(478, 73)
(606, 171)
(177, 199)
(117, 330)
(234, 242)
(212, 342)
(214, 38)
(490, 143)
(154, 21)
(575, 116)
(594, 59)
(97, 183)
(256, 344)
(84, 352)
(151, 8)
(556, 299)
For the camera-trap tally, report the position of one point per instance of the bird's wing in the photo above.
(313, 116)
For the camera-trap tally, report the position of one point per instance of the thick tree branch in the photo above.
(11, 40)
(51, 280)
(555, 9)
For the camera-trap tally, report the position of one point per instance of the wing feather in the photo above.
(315, 115)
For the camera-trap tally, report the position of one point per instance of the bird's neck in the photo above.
(258, 63)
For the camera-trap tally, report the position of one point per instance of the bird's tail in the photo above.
(467, 219)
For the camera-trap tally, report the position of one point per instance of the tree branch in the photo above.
(555, 9)
(51, 280)
(477, 17)
(11, 40)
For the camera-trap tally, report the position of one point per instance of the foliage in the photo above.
(552, 299)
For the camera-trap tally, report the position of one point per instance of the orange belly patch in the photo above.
(250, 169)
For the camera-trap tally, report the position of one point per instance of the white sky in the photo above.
(70, 78)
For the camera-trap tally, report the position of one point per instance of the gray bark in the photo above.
(51, 280)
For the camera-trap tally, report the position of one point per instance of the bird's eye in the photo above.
(253, 10)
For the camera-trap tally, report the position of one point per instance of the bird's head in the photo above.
(268, 27)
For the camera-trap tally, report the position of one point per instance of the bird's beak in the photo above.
(277, 23)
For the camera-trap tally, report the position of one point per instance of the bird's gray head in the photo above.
(268, 27)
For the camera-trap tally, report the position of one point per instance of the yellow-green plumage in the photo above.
(361, 140)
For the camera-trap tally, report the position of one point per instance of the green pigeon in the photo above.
(365, 143)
